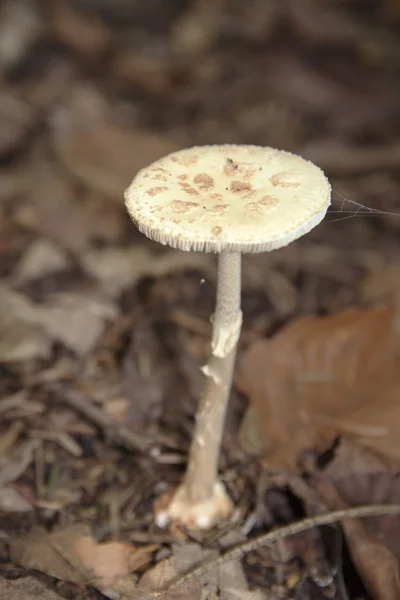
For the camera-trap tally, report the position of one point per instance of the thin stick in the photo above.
(274, 536)
(113, 431)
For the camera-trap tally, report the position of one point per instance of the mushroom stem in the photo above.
(227, 318)
(202, 470)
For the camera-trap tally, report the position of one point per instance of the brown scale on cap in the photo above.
(156, 190)
(159, 178)
(220, 209)
(269, 201)
(249, 174)
(231, 168)
(264, 205)
(179, 206)
(216, 230)
(188, 189)
(236, 169)
(285, 179)
(239, 186)
(204, 181)
(185, 160)
(158, 174)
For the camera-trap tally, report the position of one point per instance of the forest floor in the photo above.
(102, 332)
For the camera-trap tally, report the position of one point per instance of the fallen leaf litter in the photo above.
(95, 319)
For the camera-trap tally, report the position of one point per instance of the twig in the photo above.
(112, 431)
(274, 536)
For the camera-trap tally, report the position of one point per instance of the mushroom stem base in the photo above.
(200, 515)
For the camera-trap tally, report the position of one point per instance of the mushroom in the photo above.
(228, 199)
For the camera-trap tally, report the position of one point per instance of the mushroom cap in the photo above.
(228, 198)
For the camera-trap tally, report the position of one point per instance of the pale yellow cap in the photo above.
(235, 198)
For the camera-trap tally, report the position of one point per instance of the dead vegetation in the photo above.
(102, 332)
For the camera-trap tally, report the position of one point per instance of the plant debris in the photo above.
(103, 333)
(321, 378)
(72, 554)
(26, 588)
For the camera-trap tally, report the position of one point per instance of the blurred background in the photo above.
(93, 90)
(102, 331)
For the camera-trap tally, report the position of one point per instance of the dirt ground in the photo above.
(102, 332)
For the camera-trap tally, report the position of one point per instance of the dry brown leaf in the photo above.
(119, 268)
(363, 477)
(14, 464)
(147, 376)
(21, 336)
(25, 588)
(350, 458)
(52, 205)
(17, 406)
(42, 258)
(226, 581)
(183, 559)
(20, 27)
(321, 377)
(48, 204)
(375, 422)
(17, 118)
(85, 152)
(27, 329)
(88, 36)
(84, 133)
(375, 562)
(76, 320)
(320, 23)
(139, 67)
(10, 436)
(12, 501)
(40, 550)
(196, 29)
(111, 561)
(233, 584)
(381, 283)
(22, 341)
(71, 554)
